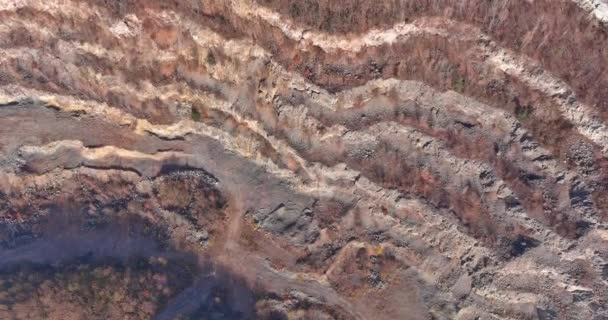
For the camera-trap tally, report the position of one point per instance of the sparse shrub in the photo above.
(196, 115)
(523, 112)
(458, 83)
(294, 10)
(210, 59)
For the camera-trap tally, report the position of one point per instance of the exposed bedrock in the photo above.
(555, 33)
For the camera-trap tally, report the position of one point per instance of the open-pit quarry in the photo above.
(304, 159)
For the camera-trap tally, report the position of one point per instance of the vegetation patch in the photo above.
(210, 59)
(458, 83)
(135, 289)
(523, 112)
(196, 115)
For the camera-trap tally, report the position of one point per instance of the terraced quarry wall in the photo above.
(309, 159)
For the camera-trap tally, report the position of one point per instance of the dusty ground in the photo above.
(314, 159)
